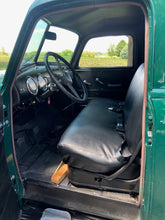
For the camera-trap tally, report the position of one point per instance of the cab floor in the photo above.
(41, 161)
(37, 166)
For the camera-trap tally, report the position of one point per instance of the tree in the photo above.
(66, 53)
(88, 54)
(112, 50)
(119, 47)
(124, 52)
(3, 51)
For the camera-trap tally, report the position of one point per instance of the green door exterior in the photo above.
(153, 204)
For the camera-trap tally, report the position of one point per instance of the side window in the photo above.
(111, 51)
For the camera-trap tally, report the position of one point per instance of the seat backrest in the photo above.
(133, 109)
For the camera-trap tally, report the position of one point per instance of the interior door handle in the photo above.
(110, 85)
(99, 81)
(87, 83)
(114, 85)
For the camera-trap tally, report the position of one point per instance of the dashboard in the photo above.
(34, 83)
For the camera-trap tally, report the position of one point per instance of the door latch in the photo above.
(149, 132)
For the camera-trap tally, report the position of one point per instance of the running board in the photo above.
(72, 198)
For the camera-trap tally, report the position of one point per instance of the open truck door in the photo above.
(9, 204)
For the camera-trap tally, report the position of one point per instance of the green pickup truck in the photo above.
(82, 123)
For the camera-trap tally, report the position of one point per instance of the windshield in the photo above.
(35, 41)
(64, 45)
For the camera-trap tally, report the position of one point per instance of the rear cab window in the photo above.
(108, 51)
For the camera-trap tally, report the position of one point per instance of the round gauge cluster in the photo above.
(42, 82)
(32, 86)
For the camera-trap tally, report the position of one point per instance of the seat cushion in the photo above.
(91, 142)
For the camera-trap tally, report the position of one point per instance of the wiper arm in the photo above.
(26, 65)
(27, 60)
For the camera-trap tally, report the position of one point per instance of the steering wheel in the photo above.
(65, 78)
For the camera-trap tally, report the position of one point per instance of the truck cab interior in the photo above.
(84, 115)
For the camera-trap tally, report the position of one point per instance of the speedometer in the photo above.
(32, 86)
(42, 82)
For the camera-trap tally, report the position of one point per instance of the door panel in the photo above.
(107, 82)
(9, 204)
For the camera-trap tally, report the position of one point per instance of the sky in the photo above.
(94, 45)
(102, 44)
(12, 16)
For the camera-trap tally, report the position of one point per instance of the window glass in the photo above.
(4, 59)
(64, 45)
(35, 41)
(111, 51)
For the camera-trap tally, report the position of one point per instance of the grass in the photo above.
(102, 62)
(84, 61)
(3, 65)
(4, 59)
(52, 59)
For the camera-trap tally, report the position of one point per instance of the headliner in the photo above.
(100, 19)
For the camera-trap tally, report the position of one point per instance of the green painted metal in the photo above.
(153, 205)
(17, 184)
